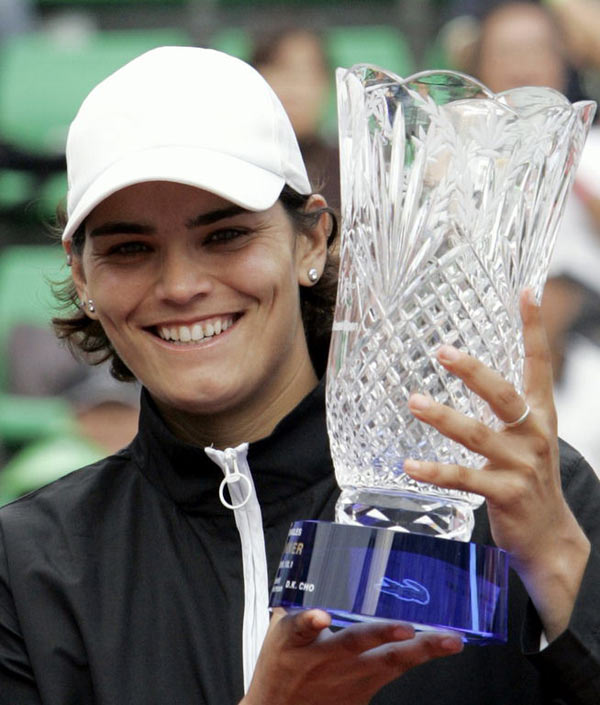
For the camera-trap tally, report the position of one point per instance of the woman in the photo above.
(199, 255)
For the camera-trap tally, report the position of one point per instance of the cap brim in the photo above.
(235, 180)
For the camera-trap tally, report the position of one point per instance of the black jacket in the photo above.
(121, 583)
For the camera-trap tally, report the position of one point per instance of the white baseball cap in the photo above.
(184, 114)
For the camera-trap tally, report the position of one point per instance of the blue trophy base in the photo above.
(362, 574)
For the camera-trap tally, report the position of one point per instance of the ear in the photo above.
(78, 274)
(311, 252)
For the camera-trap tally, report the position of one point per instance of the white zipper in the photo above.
(248, 518)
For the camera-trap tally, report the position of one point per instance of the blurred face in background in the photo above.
(520, 46)
(297, 72)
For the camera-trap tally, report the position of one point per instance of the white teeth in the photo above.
(186, 334)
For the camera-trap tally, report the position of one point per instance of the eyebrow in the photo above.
(132, 228)
(213, 216)
(121, 228)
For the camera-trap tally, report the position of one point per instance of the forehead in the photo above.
(520, 25)
(157, 199)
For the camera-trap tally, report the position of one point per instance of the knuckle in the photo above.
(352, 641)
(541, 448)
(543, 354)
(393, 659)
(462, 477)
(516, 490)
(507, 396)
(477, 436)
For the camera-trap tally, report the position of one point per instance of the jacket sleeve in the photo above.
(571, 663)
(17, 683)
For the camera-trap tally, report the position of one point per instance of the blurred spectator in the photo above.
(295, 63)
(520, 44)
(580, 23)
(40, 366)
(16, 17)
(461, 38)
(105, 412)
(574, 283)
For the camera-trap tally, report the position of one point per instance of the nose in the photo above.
(182, 278)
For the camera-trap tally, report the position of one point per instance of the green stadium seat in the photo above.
(44, 461)
(26, 273)
(381, 45)
(26, 277)
(42, 83)
(345, 46)
(233, 40)
(43, 80)
(435, 57)
(25, 419)
(16, 187)
(129, 3)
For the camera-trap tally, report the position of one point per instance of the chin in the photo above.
(201, 403)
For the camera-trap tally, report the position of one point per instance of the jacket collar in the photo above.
(294, 458)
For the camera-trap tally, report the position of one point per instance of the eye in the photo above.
(225, 235)
(128, 248)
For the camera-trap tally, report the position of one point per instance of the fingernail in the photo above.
(403, 631)
(448, 353)
(531, 297)
(414, 467)
(419, 402)
(452, 644)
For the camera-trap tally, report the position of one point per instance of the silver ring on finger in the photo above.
(520, 420)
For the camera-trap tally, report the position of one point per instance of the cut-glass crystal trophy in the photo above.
(451, 200)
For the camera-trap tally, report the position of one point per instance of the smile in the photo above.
(192, 333)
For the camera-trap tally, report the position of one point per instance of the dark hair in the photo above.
(266, 44)
(87, 339)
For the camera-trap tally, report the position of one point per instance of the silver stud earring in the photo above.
(91, 307)
(313, 275)
(69, 260)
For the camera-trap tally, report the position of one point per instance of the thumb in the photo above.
(301, 628)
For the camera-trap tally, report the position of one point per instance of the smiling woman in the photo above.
(202, 267)
(304, 213)
(182, 281)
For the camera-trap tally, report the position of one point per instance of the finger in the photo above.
(361, 637)
(399, 658)
(470, 433)
(538, 381)
(503, 398)
(455, 477)
(302, 628)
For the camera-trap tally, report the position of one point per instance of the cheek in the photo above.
(266, 278)
(116, 297)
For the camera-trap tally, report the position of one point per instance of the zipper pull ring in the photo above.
(232, 476)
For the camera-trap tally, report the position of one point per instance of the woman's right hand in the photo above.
(303, 663)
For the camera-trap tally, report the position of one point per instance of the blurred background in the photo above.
(57, 414)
